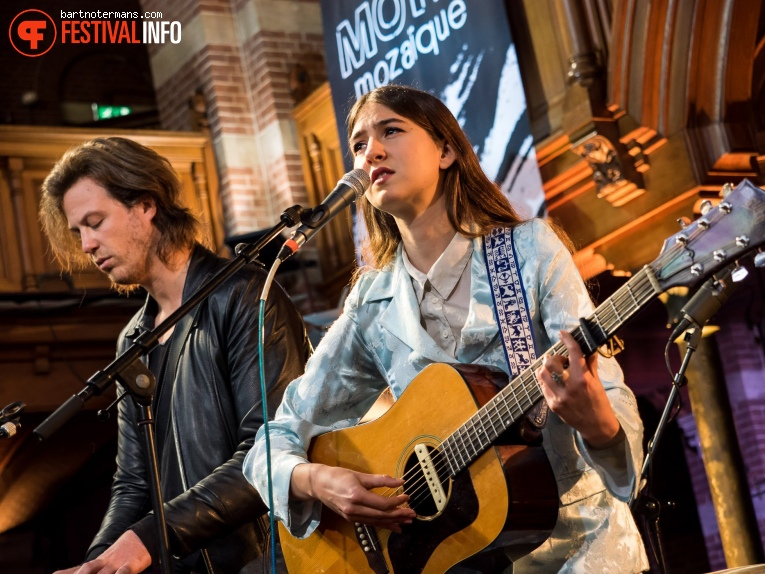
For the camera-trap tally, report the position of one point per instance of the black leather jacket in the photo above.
(214, 413)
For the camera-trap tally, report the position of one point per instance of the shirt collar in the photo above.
(445, 272)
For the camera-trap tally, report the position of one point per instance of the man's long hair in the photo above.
(474, 204)
(130, 173)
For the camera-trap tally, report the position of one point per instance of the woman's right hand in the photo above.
(348, 493)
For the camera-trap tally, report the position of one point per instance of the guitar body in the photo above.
(480, 501)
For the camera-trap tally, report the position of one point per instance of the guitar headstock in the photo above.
(725, 233)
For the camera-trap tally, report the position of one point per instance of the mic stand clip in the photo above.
(10, 419)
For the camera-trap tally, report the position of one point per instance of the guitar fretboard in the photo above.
(469, 441)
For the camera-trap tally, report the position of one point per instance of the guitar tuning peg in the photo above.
(759, 259)
(706, 205)
(684, 222)
(726, 190)
(739, 273)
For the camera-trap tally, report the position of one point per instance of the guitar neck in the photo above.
(469, 441)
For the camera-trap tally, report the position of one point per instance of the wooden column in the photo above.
(722, 458)
(16, 168)
(578, 41)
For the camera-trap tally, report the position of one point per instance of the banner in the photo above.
(459, 50)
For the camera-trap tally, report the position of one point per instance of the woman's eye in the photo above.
(97, 224)
(358, 146)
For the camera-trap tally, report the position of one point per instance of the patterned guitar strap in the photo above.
(512, 313)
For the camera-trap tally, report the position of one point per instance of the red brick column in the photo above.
(744, 364)
(701, 492)
(239, 55)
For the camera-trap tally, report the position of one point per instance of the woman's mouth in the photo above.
(381, 174)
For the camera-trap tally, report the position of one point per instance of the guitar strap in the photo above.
(510, 306)
(511, 309)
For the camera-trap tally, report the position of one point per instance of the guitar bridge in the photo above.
(431, 476)
(370, 544)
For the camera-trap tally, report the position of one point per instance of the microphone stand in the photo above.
(644, 503)
(140, 383)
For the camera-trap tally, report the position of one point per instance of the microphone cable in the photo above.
(264, 404)
(350, 187)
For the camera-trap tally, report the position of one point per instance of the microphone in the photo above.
(348, 189)
(7, 430)
(705, 302)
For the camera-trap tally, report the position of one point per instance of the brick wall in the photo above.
(239, 54)
(744, 364)
(270, 56)
(216, 72)
(701, 491)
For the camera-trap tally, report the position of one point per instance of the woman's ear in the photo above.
(447, 156)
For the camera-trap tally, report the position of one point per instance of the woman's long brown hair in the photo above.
(474, 204)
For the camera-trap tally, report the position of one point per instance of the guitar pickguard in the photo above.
(411, 550)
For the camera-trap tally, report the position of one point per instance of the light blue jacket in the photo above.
(379, 342)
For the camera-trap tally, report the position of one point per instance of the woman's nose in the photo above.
(375, 150)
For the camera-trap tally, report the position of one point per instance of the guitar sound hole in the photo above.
(416, 484)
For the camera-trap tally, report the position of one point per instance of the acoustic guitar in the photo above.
(453, 435)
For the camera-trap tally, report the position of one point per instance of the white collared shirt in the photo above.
(444, 293)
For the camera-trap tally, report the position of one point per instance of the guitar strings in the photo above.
(639, 290)
(642, 287)
(603, 316)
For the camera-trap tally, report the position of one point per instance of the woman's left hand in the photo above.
(574, 392)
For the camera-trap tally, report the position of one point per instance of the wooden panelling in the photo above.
(673, 100)
(28, 153)
(10, 262)
(323, 166)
